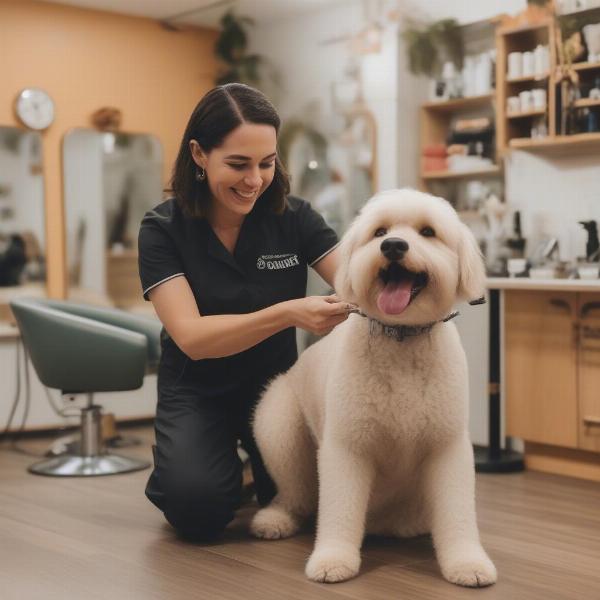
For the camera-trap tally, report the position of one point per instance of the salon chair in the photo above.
(83, 349)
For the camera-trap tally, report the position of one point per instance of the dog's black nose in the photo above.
(394, 248)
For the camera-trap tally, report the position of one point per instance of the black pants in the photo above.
(197, 476)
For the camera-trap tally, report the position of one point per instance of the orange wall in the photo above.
(89, 59)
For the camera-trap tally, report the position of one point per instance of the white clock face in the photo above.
(35, 108)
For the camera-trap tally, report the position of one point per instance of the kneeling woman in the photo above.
(224, 262)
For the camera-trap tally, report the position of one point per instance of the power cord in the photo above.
(15, 435)
(4, 434)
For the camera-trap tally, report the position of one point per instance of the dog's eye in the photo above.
(427, 231)
(381, 231)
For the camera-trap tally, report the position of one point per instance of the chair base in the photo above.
(69, 465)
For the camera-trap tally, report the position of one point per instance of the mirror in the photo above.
(22, 224)
(333, 169)
(111, 180)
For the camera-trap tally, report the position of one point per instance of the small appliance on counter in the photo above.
(545, 263)
(517, 243)
(589, 268)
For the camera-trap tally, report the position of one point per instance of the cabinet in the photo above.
(552, 349)
(541, 366)
(588, 372)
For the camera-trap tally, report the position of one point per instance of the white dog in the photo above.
(378, 408)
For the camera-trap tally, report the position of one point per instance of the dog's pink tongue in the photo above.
(395, 297)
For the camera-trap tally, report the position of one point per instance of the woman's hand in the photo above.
(318, 314)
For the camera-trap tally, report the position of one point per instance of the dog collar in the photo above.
(400, 332)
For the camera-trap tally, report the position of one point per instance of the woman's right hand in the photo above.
(318, 314)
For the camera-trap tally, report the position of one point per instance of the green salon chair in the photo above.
(83, 349)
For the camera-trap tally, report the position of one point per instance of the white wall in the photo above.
(467, 11)
(305, 52)
(553, 195)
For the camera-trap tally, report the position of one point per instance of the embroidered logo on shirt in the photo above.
(277, 261)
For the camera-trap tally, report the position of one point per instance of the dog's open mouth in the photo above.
(401, 287)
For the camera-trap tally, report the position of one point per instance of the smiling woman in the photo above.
(241, 169)
(224, 263)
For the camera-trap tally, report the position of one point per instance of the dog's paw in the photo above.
(333, 564)
(273, 523)
(474, 571)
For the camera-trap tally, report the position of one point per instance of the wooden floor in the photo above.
(99, 538)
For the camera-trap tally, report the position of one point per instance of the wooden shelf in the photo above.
(586, 102)
(441, 175)
(586, 66)
(456, 104)
(529, 113)
(526, 27)
(541, 77)
(559, 145)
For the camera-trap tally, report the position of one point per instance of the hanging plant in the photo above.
(230, 48)
(428, 47)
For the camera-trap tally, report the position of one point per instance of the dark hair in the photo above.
(218, 113)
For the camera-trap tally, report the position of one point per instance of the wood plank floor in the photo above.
(99, 538)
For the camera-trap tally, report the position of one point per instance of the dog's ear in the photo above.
(471, 268)
(342, 283)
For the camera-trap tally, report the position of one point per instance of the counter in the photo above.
(548, 285)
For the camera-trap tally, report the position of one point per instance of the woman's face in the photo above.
(241, 169)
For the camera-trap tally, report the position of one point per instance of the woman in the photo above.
(224, 264)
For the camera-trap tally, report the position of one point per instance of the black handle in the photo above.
(558, 303)
(588, 307)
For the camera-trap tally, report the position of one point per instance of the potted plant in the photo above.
(429, 46)
(230, 48)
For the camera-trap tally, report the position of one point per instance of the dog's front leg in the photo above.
(345, 481)
(450, 493)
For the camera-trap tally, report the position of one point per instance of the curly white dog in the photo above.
(378, 408)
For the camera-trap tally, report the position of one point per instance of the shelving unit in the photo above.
(438, 118)
(522, 39)
(494, 171)
(449, 106)
(529, 113)
(528, 78)
(436, 121)
(587, 102)
(514, 130)
(559, 145)
(586, 66)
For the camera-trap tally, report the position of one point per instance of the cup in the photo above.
(526, 101)
(516, 266)
(515, 65)
(539, 99)
(513, 105)
(528, 64)
(587, 270)
(541, 60)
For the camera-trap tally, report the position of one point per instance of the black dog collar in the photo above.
(400, 332)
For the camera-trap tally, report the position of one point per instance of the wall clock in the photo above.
(35, 108)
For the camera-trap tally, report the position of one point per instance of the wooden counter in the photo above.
(552, 372)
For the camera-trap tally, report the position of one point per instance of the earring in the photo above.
(200, 174)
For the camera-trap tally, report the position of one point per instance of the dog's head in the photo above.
(407, 258)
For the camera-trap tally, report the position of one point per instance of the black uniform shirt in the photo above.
(269, 265)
